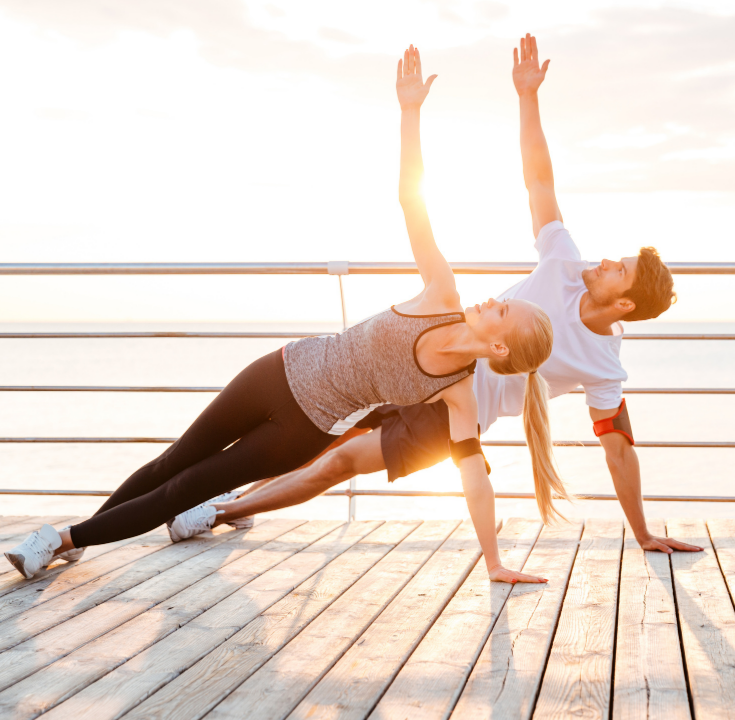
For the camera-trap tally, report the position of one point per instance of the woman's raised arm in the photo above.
(412, 91)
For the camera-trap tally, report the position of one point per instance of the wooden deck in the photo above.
(373, 619)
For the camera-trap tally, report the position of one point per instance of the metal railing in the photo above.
(338, 268)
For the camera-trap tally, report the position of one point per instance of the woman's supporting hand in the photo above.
(500, 574)
(410, 87)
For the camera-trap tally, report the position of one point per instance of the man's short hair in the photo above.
(653, 288)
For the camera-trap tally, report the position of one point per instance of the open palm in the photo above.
(527, 75)
(410, 87)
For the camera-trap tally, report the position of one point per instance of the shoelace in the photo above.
(36, 543)
(198, 521)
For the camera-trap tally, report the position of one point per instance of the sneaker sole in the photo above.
(171, 533)
(18, 562)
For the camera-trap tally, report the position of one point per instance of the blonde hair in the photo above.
(529, 346)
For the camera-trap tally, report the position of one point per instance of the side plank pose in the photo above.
(287, 407)
(585, 306)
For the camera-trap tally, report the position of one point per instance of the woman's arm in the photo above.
(478, 491)
(412, 92)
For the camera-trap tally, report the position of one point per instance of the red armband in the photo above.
(619, 423)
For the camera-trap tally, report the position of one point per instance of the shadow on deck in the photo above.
(390, 619)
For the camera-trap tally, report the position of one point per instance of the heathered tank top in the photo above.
(338, 379)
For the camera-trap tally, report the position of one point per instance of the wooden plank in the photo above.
(374, 625)
(330, 634)
(206, 683)
(649, 671)
(125, 687)
(12, 581)
(28, 594)
(10, 519)
(429, 684)
(227, 551)
(707, 622)
(579, 671)
(722, 534)
(505, 680)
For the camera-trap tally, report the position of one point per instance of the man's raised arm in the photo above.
(537, 170)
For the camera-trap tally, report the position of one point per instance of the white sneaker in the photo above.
(35, 552)
(242, 523)
(71, 555)
(224, 497)
(192, 522)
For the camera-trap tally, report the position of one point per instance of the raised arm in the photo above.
(412, 91)
(537, 170)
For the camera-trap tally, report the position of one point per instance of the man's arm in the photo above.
(622, 462)
(537, 170)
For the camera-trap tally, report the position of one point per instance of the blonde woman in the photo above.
(287, 407)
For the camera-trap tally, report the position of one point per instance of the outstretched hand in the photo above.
(527, 75)
(667, 545)
(411, 88)
(501, 574)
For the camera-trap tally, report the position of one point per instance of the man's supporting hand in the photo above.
(527, 75)
(667, 545)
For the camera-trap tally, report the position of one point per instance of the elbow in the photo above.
(408, 197)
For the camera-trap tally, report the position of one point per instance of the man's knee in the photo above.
(338, 463)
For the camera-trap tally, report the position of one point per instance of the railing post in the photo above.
(340, 268)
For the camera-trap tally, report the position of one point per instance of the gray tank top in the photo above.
(338, 379)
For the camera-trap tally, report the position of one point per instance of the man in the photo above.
(585, 305)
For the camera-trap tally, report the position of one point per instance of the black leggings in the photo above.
(257, 412)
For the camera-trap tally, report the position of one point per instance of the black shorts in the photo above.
(413, 437)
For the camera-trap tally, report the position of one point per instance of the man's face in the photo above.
(610, 280)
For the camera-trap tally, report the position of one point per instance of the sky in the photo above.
(236, 131)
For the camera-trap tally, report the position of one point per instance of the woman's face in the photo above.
(493, 320)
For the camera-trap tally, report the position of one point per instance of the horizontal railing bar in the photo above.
(162, 334)
(486, 443)
(595, 443)
(530, 496)
(216, 389)
(406, 493)
(316, 268)
(295, 335)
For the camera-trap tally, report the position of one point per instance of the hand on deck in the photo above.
(667, 545)
(527, 75)
(500, 574)
(410, 87)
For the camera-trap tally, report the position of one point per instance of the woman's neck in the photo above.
(447, 349)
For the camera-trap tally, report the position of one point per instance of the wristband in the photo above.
(465, 448)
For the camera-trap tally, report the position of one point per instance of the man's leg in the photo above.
(360, 456)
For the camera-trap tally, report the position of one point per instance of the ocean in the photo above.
(213, 362)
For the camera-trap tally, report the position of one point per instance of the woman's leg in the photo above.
(276, 438)
(226, 419)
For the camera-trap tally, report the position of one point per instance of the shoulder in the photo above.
(554, 241)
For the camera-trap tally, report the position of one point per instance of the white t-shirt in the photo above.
(579, 356)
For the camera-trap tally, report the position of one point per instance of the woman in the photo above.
(287, 407)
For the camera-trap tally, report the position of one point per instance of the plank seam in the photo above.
(556, 625)
(678, 632)
(426, 632)
(719, 564)
(487, 636)
(297, 701)
(617, 617)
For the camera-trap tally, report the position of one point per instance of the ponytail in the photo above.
(529, 347)
(538, 436)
